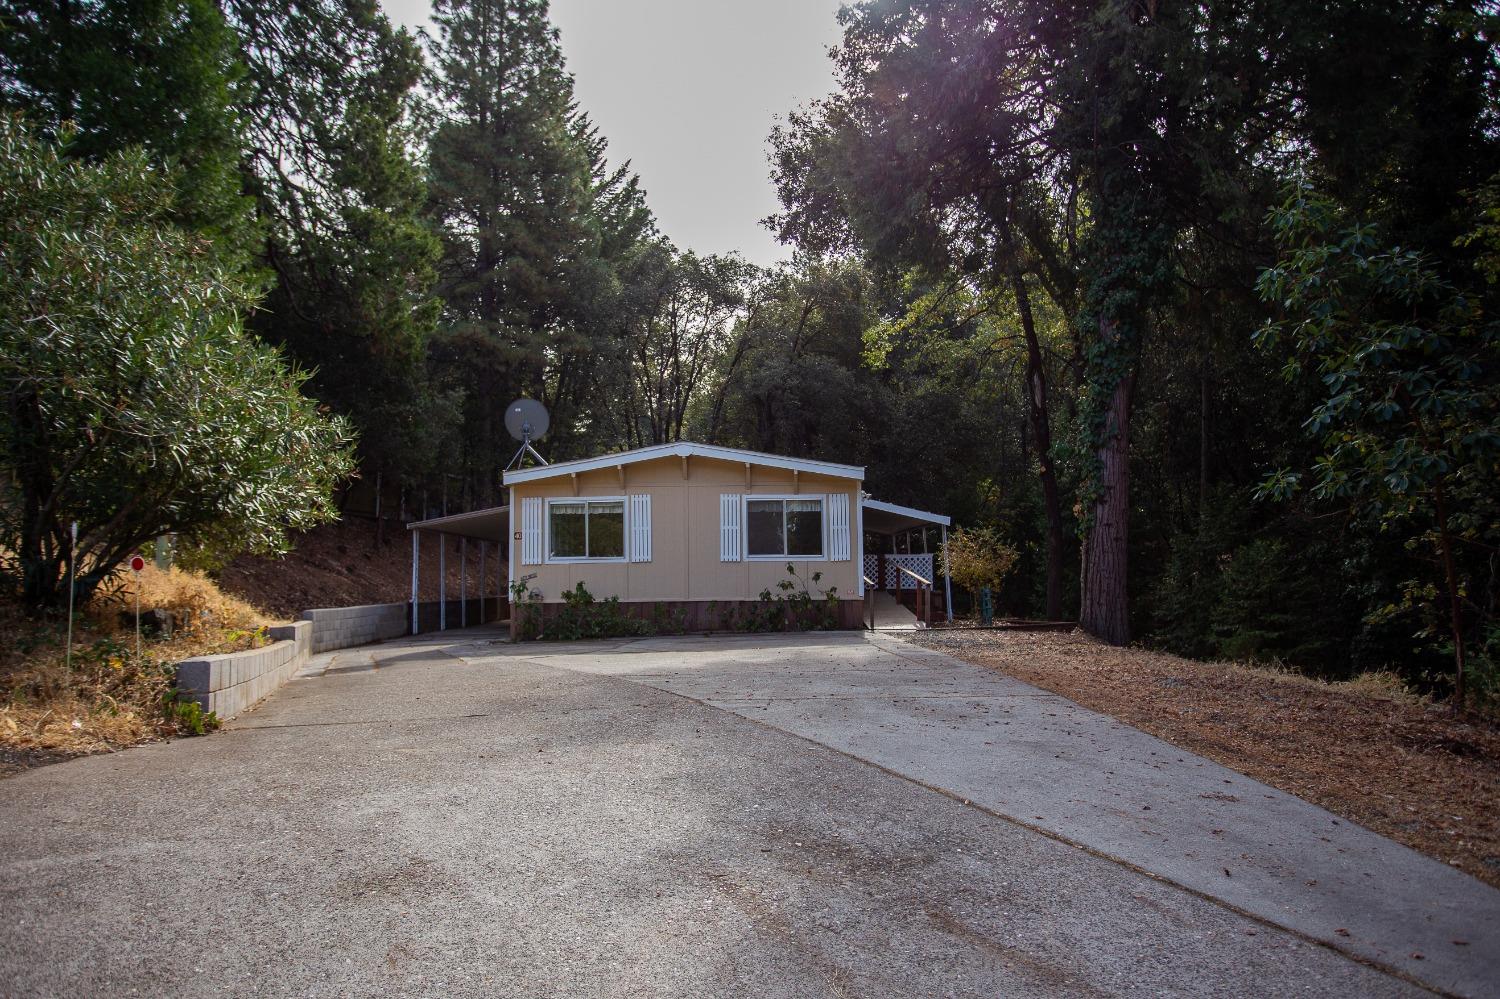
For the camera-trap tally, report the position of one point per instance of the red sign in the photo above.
(137, 563)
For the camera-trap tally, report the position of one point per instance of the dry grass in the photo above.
(1368, 749)
(109, 698)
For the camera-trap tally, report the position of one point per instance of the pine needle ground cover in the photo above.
(109, 698)
(1366, 749)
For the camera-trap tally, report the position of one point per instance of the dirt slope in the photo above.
(340, 565)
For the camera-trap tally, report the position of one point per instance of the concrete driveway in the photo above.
(690, 817)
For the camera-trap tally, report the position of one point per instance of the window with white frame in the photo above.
(586, 529)
(784, 527)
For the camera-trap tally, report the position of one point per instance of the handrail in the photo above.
(867, 579)
(913, 575)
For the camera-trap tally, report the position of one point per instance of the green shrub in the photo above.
(584, 617)
(188, 716)
(792, 607)
(977, 557)
(526, 609)
(138, 404)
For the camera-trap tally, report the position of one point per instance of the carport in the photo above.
(485, 527)
(897, 553)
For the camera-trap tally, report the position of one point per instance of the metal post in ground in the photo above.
(72, 585)
(416, 541)
(947, 579)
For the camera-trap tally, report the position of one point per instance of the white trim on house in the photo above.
(549, 559)
(819, 498)
(906, 511)
(640, 527)
(859, 543)
(731, 511)
(533, 541)
(684, 449)
(836, 511)
(512, 545)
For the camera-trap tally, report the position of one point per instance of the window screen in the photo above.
(587, 529)
(784, 528)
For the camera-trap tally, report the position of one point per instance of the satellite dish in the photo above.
(526, 419)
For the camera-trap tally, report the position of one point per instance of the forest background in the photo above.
(1193, 303)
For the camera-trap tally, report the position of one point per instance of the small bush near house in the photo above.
(977, 557)
(583, 616)
(667, 621)
(526, 608)
(792, 608)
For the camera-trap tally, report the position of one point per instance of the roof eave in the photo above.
(684, 450)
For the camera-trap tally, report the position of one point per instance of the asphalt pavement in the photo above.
(452, 815)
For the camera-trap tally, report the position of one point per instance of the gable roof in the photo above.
(684, 449)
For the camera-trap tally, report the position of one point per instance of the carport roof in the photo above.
(490, 524)
(887, 518)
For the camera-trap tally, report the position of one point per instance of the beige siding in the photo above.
(685, 533)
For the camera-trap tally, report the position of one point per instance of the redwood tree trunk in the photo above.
(1105, 612)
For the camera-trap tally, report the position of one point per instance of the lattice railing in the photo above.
(922, 565)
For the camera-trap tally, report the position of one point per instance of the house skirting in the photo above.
(695, 615)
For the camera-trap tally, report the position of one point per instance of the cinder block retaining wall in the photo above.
(341, 627)
(229, 684)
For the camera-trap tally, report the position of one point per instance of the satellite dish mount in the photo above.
(526, 420)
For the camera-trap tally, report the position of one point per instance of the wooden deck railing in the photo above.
(924, 596)
(869, 603)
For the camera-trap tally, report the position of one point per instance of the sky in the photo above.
(688, 91)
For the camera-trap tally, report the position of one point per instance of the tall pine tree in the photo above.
(535, 225)
(329, 112)
(164, 75)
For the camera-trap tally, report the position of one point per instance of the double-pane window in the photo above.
(784, 528)
(587, 529)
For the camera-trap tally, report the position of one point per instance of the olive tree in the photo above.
(136, 404)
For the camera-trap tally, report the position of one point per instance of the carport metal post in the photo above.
(442, 581)
(484, 546)
(947, 579)
(463, 582)
(416, 547)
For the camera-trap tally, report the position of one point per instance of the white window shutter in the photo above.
(531, 530)
(729, 527)
(640, 528)
(838, 527)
